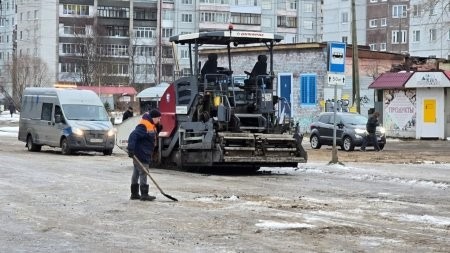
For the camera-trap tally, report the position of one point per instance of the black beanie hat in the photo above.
(154, 114)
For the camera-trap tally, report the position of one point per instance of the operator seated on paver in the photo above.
(210, 68)
(258, 74)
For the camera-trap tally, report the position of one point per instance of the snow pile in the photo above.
(267, 224)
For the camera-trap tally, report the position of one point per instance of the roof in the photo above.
(391, 80)
(447, 73)
(153, 92)
(226, 37)
(122, 90)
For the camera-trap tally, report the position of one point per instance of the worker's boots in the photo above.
(144, 193)
(135, 191)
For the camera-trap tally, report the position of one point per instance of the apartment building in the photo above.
(430, 28)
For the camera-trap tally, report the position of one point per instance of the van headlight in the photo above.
(382, 130)
(77, 131)
(360, 131)
(111, 132)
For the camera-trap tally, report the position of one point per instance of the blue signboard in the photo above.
(336, 57)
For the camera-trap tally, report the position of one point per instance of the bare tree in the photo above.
(27, 71)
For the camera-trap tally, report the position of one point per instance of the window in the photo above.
(373, 23)
(373, 47)
(398, 37)
(383, 22)
(77, 9)
(145, 32)
(36, 13)
(345, 39)
(246, 18)
(266, 4)
(432, 10)
(167, 15)
(167, 52)
(382, 46)
(416, 36)
(184, 54)
(291, 5)
(215, 17)
(46, 113)
(308, 89)
(284, 21)
(308, 7)
(186, 1)
(399, 11)
(344, 17)
(187, 18)
(416, 10)
(144, 51)
(167, 32)
(374, 1)
(432, 33)
(167, 70)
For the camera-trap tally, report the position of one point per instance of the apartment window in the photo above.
(266, 4)
(113, 50)
(373, 47)
(167, 69)
(398, 37)
(246, 18)
(167, 15)
(382, 46)
(71, 48)
(186, 1)
(308, 7)
(284, 21)
(28, 15)
(145, 14)
(399, 11)
(344, 17)
(36, 13)
(373, 23)
(432, 33)
(432, 10)
(119, 69)
(448, 34)
(344, 39)
(308, 90)
(215, 17)
(167, 32)
(144, 51)
(416, 36)
(374, 1)
(291, 5)
(145, 32)
(416, 10)
(77, 9)
(167, 52)
(184, 54)
(21, 35)
(119, 31)
(308, 24)
(215, 2)
(74, 30)
(186, 18)
(68, 67)
(383, 22)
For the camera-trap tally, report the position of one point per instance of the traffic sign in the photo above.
(336, 79)
(336, 57)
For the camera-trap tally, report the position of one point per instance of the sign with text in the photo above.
(336, 79)
(336, 57)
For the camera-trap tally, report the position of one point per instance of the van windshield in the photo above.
(85, 112)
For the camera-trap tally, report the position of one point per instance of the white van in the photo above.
(74, 120)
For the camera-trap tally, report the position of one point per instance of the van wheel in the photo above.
(31, 146)
(347, 144)
(107, 152)
(381, 146)
(315, 143)
(65, 149)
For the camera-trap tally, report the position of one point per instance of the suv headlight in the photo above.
(77, 131)
(360, 131)
(111, 132)
(382, 130)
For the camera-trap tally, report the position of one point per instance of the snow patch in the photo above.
(268, 224)
(427, 219)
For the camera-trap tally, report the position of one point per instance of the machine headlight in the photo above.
(360, 131)
(77, 131)
(111, 132)
(382, 130)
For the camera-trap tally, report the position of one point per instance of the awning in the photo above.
(391, 80)
(114, 90)
(155, 92)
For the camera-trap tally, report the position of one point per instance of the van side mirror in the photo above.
(58, 118)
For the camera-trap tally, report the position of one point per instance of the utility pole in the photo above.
(355, 62)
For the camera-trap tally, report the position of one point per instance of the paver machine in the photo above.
(209, 121)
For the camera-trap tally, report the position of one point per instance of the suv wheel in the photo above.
(315, 143)
(347, 144)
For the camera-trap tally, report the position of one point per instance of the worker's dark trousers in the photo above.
(139, 177)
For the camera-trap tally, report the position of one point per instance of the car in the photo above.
(350, 131)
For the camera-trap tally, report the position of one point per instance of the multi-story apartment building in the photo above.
(430, 28)
(337, 21)
(387, 25)
(7, 42)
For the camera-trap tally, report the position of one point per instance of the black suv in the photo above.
(350, 131)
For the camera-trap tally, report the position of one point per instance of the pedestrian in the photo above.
(128, 113)
(371, 128)
(141, 143)
(11, 108)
